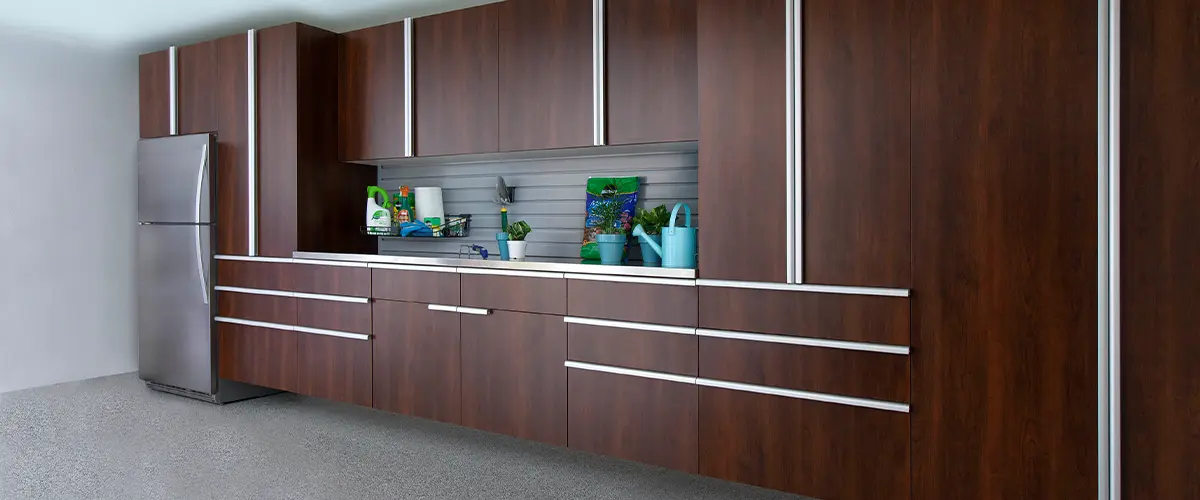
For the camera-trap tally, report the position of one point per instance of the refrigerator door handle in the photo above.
(199, 205)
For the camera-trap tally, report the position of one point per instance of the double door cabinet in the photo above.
(801, 392)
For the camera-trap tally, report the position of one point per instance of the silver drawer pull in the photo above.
(439, 307)
(476, 311)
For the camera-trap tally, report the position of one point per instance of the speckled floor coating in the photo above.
(112, 438)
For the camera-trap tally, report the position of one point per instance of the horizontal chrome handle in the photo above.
(476, 311)
(332, 333)
(439, 307)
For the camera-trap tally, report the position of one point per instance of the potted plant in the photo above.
(517, 232)
(610, 232)
(652, 222)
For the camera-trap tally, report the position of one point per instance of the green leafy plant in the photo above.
(653, 220)
(611, 219)
(518, 230)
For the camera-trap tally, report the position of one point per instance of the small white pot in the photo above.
(516, 250)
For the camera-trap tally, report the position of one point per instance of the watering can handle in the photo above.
(687, 217)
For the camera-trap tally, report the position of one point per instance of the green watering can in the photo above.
(678, 248)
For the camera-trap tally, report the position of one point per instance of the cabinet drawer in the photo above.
(638, 349)
(811, 448)
(638, 302)
(428, 287)
(331, 280)
(514, 293)
(258, 356)
(334, 315)
(257, 275)
(630, 417)
(871, 375)
(334, 368)
(858, 318)
(255, 307)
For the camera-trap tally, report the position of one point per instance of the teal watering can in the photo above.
(678, 248)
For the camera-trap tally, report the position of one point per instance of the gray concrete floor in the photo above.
(112, 438)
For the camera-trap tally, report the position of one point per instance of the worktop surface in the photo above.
(524, 265)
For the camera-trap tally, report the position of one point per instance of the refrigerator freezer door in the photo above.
(174, 273)
(174, 179)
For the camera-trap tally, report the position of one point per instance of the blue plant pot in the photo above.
(650, 258)
(612, 248)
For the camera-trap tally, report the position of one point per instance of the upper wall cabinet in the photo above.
(371, 111)
(546, 78)
(197, 68)
(455, 75)
(154, 94)
(650, 59)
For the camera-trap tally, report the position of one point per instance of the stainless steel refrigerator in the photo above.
(177, 345)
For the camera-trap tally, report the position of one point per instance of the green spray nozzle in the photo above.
(373, 192)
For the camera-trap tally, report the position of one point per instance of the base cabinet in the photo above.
(258, 356)
(416, 365)
(513, 378)
(635, 418)
(334, 368)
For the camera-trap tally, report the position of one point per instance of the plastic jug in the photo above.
(678, 248)
(379, 217)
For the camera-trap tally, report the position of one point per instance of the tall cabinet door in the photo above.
(454, 71)
(417, 360)
(371, 93)
(197, 80)
(233, 146)
(742, 51)
(546, 74)
(154, 94)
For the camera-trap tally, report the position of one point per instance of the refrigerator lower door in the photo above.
(175, 339)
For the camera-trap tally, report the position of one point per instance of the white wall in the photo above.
(68, 145)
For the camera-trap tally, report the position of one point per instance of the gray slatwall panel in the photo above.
(549, 192)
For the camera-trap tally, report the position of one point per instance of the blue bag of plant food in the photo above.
(610, 203)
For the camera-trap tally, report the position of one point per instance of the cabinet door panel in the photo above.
(455, 79)
(371, 93)
(197, 79)
(233, 147)
(513, 378)
(417, 361)
(154, 94)
(258, 356)
(334, 368)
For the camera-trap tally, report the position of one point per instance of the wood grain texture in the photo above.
(331, 280)
(869, 375)
(637, 302)
(154, 94)
(856, 135)
(1004, 249)
(815, 449)
(417, 369)
(858, 318)
(258, 356)
(198, 68)
(330, 315)
(637, 349)
(259, 275)
(650, 57)
(512, 293)
(278, 141)
(268, 308)
(233, 147)
(742, 71)
(545, 68)
(371, 93)
(415, 286)
(1160, 280)
(334, 368)
(513, 378)
(647, 420)
(455, 82)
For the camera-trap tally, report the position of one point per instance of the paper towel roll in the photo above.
(429, 203)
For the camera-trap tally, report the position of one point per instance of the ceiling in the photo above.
(147, 25)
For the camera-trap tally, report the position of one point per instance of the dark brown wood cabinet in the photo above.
(856, 318)
(636, 302)
(154, 94)
(233, 146)
(417, 370)
(198, 68)
(856, 138)
(742, 61)
(258, 356)
(545, 74)
(513, 376)
(333, 368)
(650, 59)
(455, 57)
(371, 93)
(643, 419)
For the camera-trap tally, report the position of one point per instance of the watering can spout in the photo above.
(641, 233)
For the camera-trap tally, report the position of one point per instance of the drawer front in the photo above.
(857, 318)
(870, 375)
(259, 275)
(333, 315)
(635, 418)
(334, 368)
(637, 302)
(514, 293)
(637, 349)
(268, 308)
(258, 356)
(811, 448)
(331, 280)
(415, 286)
